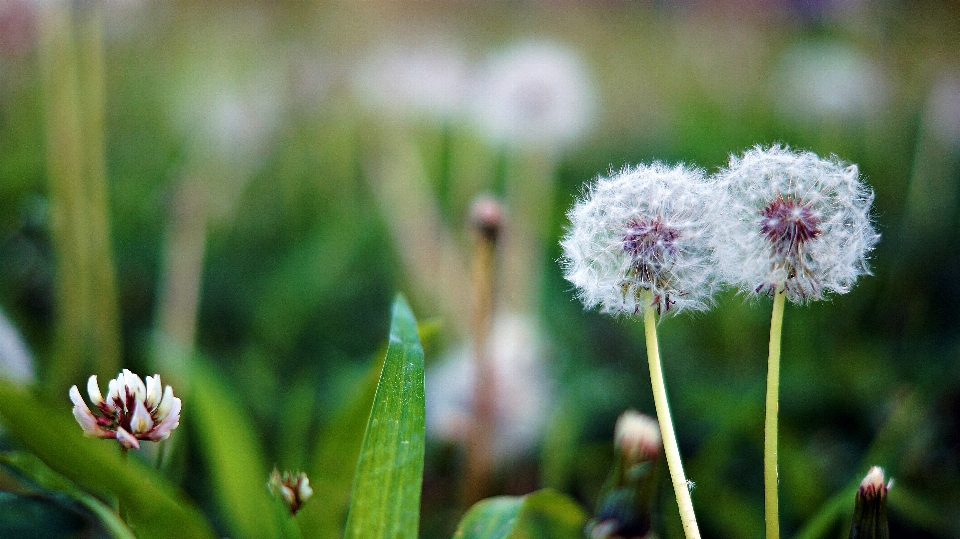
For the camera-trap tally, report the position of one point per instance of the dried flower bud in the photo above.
(132, 410)
(870, 511)
(293, 488)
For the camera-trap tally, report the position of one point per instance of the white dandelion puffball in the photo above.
(644, 229)
(536, 94)
(403, 80)
(794, 219)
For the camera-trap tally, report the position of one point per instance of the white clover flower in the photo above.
(794, 218)
(132, 411)
(644, 229)
(293, 488)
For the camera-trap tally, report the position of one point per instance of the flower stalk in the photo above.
(672, 450)
(770, 474)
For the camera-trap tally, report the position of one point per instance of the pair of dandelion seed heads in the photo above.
(773, 219)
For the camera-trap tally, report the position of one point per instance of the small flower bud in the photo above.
(870, 511)
(623, 508)
(486, 215)
(637, 436)
(294, 489)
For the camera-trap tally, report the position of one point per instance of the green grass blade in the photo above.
(335, 458)
(154, 507)
(49, 481)
(545, 514)
(233, 454)
(389, 475)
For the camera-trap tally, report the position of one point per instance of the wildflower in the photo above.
(132, 410)
(796, 220)
(535, 95)
(293, 489)
(870, 511)
(645, 229)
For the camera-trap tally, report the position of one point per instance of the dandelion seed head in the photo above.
(643, 229)
(795, 218)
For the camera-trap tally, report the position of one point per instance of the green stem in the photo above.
(687, 517)
(770, 479)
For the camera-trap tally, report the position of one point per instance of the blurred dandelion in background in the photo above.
(535, 93)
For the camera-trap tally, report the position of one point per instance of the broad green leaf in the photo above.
(233, 454)
(49, 481)
(389, 475)
(154, 507)
(545, 514)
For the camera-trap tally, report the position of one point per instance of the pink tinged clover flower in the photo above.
(795, 220)
(132, 411)
(643, 230)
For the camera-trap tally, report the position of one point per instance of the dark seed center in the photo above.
(788, 223)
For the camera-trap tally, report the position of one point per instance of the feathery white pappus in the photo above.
(644, 229)
(795, 218)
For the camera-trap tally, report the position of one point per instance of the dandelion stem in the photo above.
(770, 479)
(684, 502)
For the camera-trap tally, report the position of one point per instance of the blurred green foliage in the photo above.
(300, 259)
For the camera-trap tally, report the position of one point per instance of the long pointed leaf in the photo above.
(154, 506)
(233, 454)
(335, 459)
(389, 476)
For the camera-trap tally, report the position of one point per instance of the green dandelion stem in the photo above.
(684, 502)
(770, 479)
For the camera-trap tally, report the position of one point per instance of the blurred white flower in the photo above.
(644, 229)
(830, 81)
(524, 394)
(403, 80)
(793, 218)
(534, 94)
(943, 110)
(132, 411)
(16, 363)
(293, 488)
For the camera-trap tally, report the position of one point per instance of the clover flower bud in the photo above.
(293, 488)
(132, 411)
(643, 230)
(870, 511)
(795, 220)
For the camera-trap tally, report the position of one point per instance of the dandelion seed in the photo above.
(132, 410)
(644, 229)
(795, 219)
